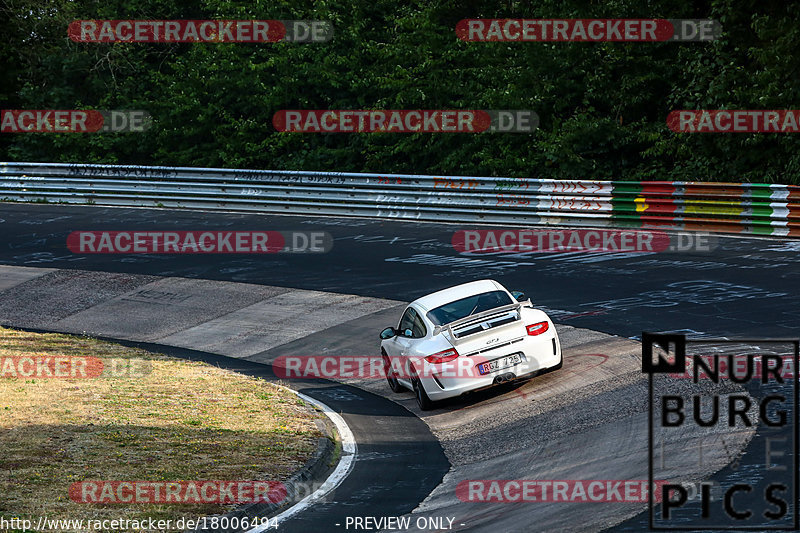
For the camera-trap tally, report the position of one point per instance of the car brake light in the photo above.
(442, 357)
(538, 328)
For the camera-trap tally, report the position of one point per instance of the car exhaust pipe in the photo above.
(503, 378)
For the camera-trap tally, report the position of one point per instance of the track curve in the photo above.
(725, 293)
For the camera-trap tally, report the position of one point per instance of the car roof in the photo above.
(436, 299)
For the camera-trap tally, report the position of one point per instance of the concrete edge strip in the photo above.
(343, 469)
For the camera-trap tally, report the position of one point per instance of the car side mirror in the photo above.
(388, 333)
(519, 296)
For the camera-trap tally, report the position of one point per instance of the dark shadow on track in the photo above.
(399, 461)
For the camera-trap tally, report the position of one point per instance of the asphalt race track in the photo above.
(405, 440)
(747, 287)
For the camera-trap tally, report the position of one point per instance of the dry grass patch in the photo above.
(175, 420)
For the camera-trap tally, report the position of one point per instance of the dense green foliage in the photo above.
(603, 106)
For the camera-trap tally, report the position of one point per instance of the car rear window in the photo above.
(450, 312)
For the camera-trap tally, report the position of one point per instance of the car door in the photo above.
(398, 345)
(401, 341)
(409, 346)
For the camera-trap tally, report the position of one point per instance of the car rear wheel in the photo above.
(391, 377)
(425, 403)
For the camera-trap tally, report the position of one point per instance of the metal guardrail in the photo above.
(764, 209)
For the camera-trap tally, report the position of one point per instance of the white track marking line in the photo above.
(346, 462)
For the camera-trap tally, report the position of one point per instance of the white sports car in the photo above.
(466, 338)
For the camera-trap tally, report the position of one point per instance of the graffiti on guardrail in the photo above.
(511, 199)
(576, 204)
(751, 208)
(572, 204)
(121, 172)
(286, 178)
(576, 187)
(511, 184)
(454, 183)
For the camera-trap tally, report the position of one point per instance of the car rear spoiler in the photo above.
(479, 317)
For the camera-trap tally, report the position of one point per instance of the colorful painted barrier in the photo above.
(750, 208)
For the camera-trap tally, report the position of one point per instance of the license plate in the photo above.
(501, 363)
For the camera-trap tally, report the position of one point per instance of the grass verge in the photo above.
(147, 417)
